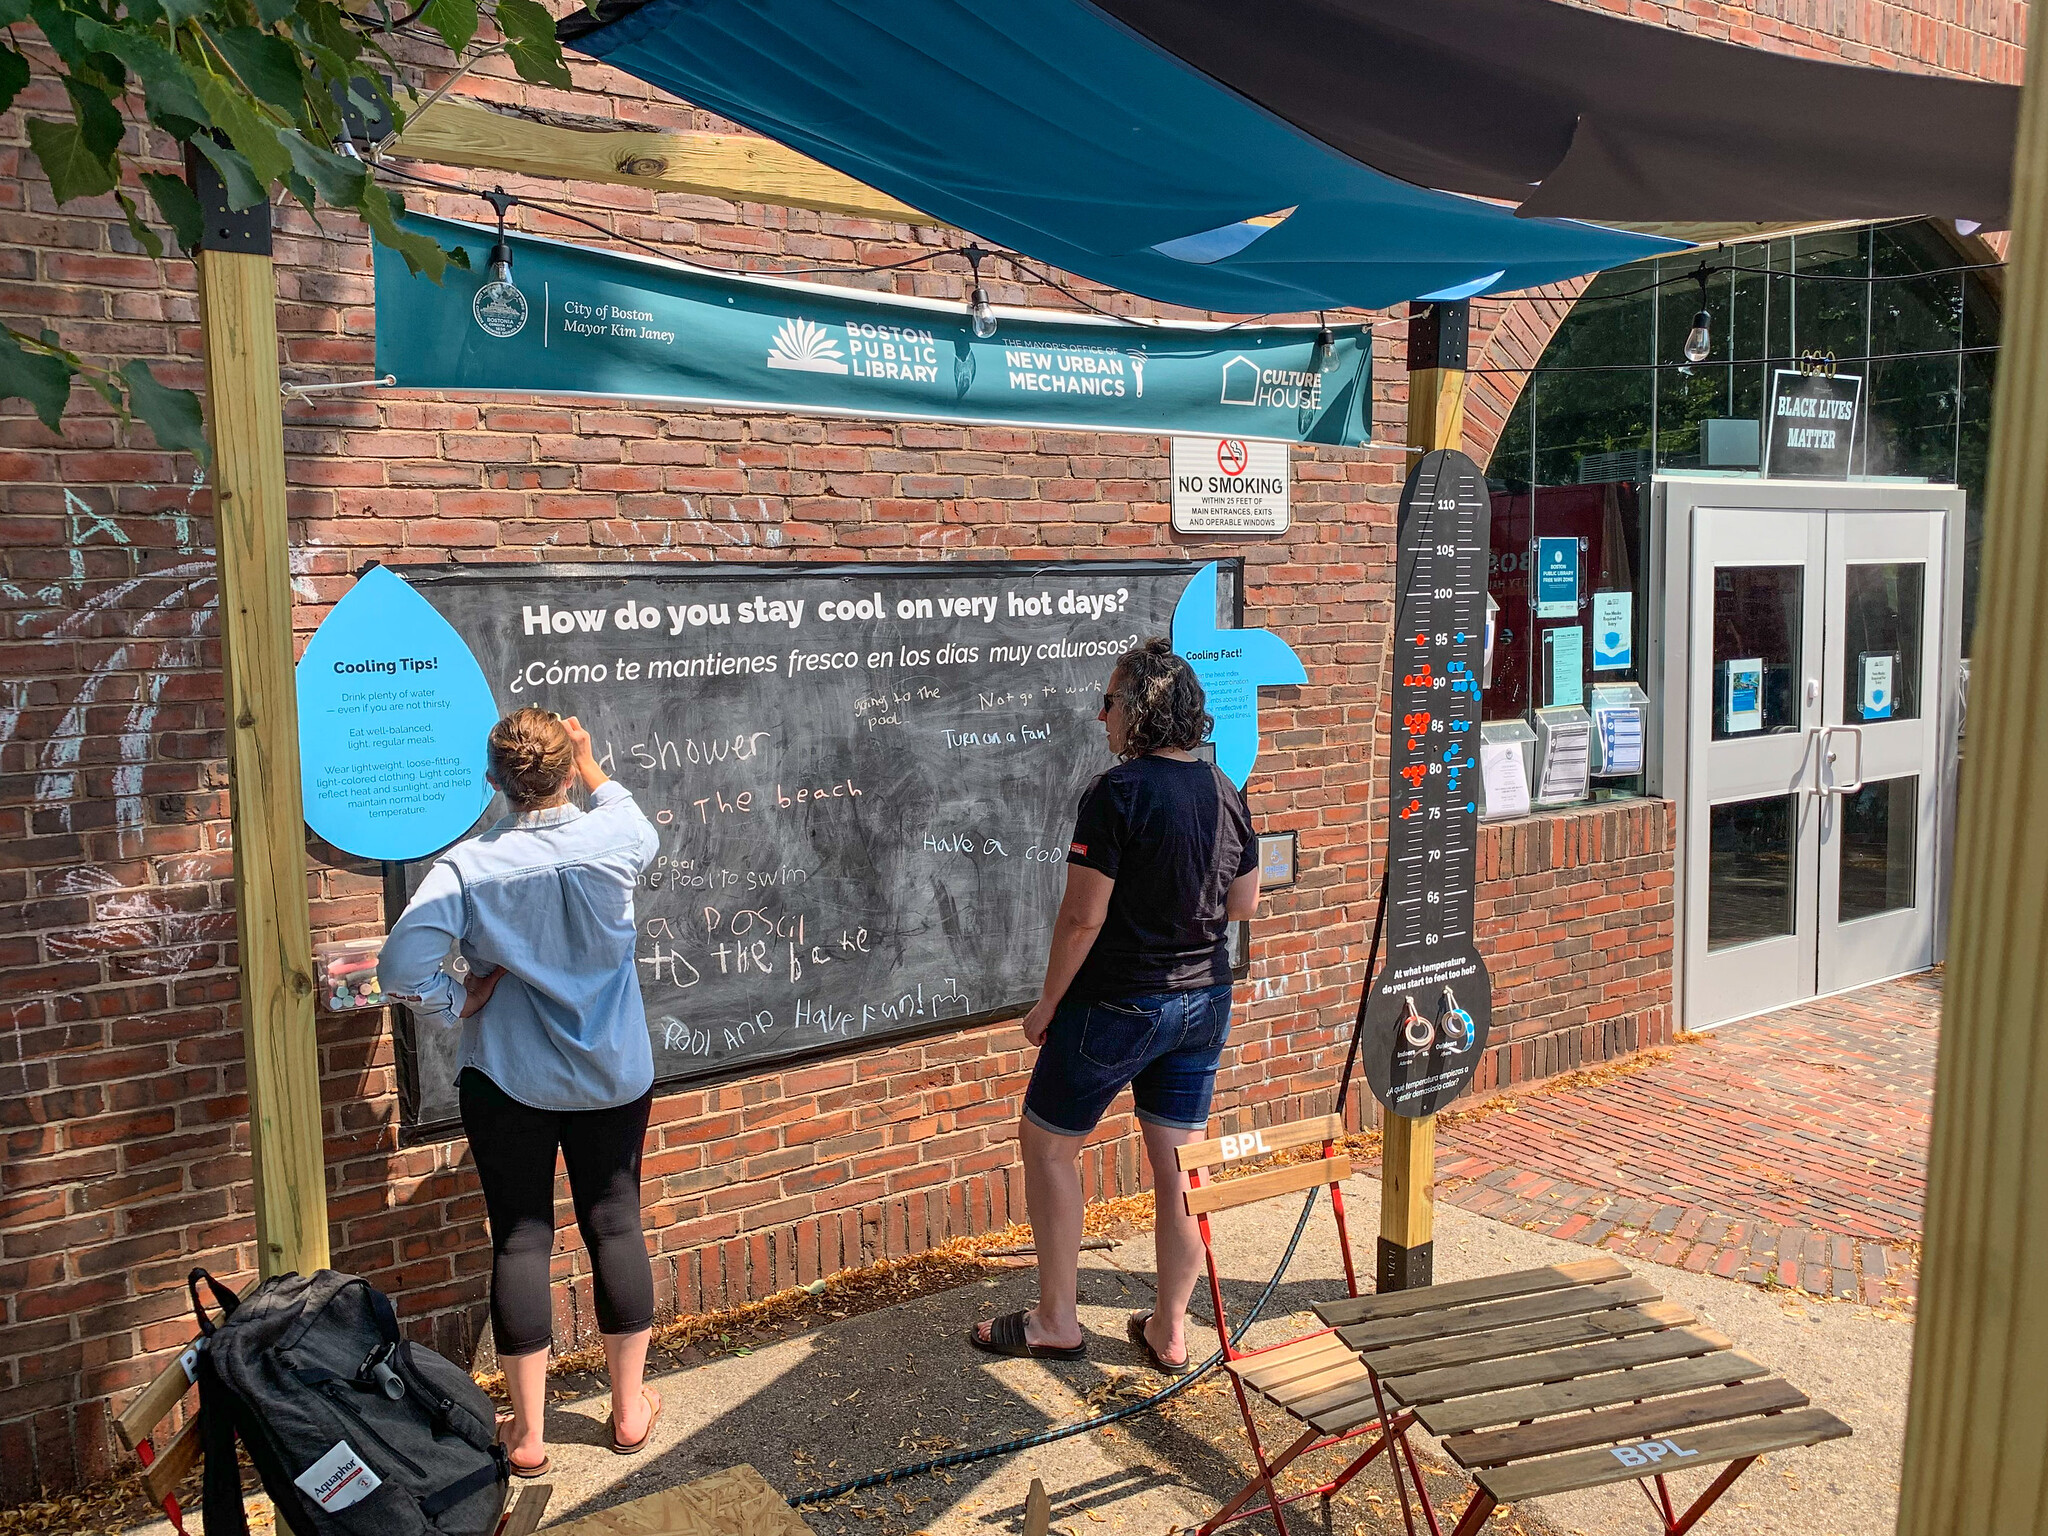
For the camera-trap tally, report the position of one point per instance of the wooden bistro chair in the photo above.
(162, 1471)
(1316, 1378)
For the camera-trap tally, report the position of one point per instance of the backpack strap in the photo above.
(496, 1470)
(223, 1298)
(222, 1493)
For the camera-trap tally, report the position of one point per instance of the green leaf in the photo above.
(530, 42)
(59, 24)
(148, 12)
(339, 178)
(44, 382)
(13, 76)
(174, 200)
(266, 64)
(141, 231)
(271, 12)
(243, 189)
(455, 20)
(12, 11)
(182, 11)
(73, 169)
(166, 83)
(248, 130)
(421, 254)
(172, 414)
(99, 122)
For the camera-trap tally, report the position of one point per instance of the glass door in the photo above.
(1752, 825)
(1813, 766)
(1877, 787)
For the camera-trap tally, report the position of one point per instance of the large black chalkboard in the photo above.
(864, 802)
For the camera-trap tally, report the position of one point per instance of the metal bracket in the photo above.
(242, 230)
(1437, 335)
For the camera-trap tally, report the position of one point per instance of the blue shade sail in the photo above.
(1048, 127)
(393, 716)
(1232, 665)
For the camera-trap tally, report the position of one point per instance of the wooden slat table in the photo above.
(735, 1502)
(1550, 1380)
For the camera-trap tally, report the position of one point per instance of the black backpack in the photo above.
(351, 1428)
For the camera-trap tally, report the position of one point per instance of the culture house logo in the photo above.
(1246, 383)
(806, 348)
(500, 309)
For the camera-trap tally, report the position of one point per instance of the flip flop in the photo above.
(1134, 1325)
(1006, 1336)
(619, 1447)
(542, 1468)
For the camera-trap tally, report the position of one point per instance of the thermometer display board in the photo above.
(1431, 1003)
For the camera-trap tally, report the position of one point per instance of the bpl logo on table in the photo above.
(1648, 1453)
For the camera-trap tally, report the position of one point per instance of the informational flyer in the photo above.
(1504, 779)
(1742, 696)
(1557, 578)
(1566, 653)
(1614, 642)
(1874, 693)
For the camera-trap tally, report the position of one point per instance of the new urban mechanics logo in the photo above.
(805, 347)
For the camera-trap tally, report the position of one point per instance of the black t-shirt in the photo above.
(1172, 835)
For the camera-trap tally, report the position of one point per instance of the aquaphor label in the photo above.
(338, 1479)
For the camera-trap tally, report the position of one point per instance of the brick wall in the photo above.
(121, 1080)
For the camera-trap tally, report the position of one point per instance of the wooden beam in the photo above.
(1977, 1421)
(245, 420)
(738, 168)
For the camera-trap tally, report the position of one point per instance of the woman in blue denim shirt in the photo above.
(555, 1053)
(1137, 992)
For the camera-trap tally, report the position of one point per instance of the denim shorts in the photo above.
(1164, 1045)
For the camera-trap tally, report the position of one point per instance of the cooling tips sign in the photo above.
(1229, 485)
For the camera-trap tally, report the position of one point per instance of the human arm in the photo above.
(409, 966)
(1241, 900)
(584, 763)
(1083, 909)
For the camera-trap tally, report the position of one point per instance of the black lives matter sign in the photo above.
(1813, 425)
(1431, 1002)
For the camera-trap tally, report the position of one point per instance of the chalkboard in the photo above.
(863, 777)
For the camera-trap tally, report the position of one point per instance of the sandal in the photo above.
(1006, 1336)
(542, 1468)
(654, 1403)
(1134, 1325)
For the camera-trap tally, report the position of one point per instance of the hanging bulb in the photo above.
(984, 316)
(1326, 348)
(1699, 341)
(499, 306)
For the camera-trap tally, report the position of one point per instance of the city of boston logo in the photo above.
(500, 309)
(805, 347)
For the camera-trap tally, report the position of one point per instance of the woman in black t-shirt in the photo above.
(1137, 992)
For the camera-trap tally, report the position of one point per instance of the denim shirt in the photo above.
(548, 896)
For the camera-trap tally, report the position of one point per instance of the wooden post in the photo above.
(1436, 419)
(1976, 1453)
(238, 322)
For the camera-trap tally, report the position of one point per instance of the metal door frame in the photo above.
(1675, 499)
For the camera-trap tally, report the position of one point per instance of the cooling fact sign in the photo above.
(1229, 485)
(596, 324)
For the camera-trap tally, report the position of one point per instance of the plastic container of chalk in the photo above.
(348, 974)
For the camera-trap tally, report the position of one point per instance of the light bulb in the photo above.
(1699, 341)
(499, 306)
(984, 317)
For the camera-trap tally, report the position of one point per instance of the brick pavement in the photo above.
(1788, 1150)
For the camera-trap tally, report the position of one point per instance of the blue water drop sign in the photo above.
(1232, 665)
(393, 716)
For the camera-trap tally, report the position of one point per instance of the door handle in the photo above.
(1816, 738)
(1846, 789)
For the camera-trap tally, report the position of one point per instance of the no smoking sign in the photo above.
(1229, 485)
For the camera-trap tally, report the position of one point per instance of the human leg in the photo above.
(1052, 1197)
(1173, 1095)
(514, 1149)
(601, 1149)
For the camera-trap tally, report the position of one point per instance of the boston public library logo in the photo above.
(805, 347)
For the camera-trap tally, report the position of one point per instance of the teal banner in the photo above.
(571, 321)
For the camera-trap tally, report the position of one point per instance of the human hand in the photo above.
(477, 990)
(585, 761)
(1037, 1022)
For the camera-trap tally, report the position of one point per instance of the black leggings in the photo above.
(514, 1146)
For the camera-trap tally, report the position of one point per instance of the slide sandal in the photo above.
(1006, 1337)
(1134, 1325)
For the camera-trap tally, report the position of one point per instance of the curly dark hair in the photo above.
(1164, 706)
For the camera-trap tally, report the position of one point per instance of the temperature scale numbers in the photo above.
(1439, 649)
